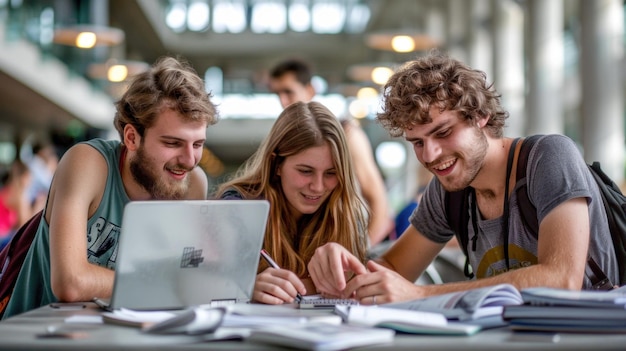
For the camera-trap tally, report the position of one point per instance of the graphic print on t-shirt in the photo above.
(102, 240)
(493, 262)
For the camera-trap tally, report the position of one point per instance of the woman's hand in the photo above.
(277, 286)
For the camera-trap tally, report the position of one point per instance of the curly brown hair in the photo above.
(439, 80)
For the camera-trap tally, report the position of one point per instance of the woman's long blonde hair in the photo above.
(341, 219)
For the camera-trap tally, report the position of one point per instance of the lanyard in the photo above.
(505, 214)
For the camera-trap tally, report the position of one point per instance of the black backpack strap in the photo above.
(613, 202)
(527, 209)
(457, 203)
(457, 212)
(616, 206)
(505, 209)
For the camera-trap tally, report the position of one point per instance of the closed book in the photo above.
(581, 298)
(565, 318)
(581, 314)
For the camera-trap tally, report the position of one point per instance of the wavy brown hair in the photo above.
(439, 80)
(341, 219)
(169, 83)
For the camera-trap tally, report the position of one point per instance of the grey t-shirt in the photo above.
(556, 173)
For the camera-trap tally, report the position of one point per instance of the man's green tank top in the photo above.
(33, 287)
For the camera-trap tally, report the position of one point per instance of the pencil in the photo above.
(272, 263)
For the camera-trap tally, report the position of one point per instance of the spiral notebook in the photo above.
(177, 254)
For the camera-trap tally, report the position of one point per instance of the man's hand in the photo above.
(328, 268)
(277, 286)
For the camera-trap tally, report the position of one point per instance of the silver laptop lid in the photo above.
(175, 254)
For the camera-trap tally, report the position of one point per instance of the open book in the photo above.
(481, 306)
(414, 322)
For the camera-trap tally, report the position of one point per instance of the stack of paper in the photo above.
(234, 319)
(192, 321)
(134, 318)
(259, 315)
(322, 337)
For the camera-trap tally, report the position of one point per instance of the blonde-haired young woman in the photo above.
(303, 168)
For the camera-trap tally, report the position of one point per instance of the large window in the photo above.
(268, 16)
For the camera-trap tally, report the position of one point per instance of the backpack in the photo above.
(457, 211)
(12, 258)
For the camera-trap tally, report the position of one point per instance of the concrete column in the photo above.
(99, 12)
(602, 31)
(545, 67)
(508, 61)
(435, 23)
(456, 29)
(99, 16)
(479, 42)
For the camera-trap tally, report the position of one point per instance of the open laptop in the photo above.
(176, 254)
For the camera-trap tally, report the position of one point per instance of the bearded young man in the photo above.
(162, 120)
(455, 123)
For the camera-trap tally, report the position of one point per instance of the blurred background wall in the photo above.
(557, 63)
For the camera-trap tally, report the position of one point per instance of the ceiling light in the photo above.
(116, 70)
(367, 93)
(86, 40)
(380, 75)
(377, 73)
(358, 109)
(401, 41)
(86, 37)
(117, 73)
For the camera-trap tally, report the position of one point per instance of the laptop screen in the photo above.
(176, 254)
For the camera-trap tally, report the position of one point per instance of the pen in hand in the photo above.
(273, 264)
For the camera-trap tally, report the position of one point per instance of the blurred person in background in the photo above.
(290, 80)
(42, 165)
(15, 207)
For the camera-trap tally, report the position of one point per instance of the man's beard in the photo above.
(146, 174)
(473, 161)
